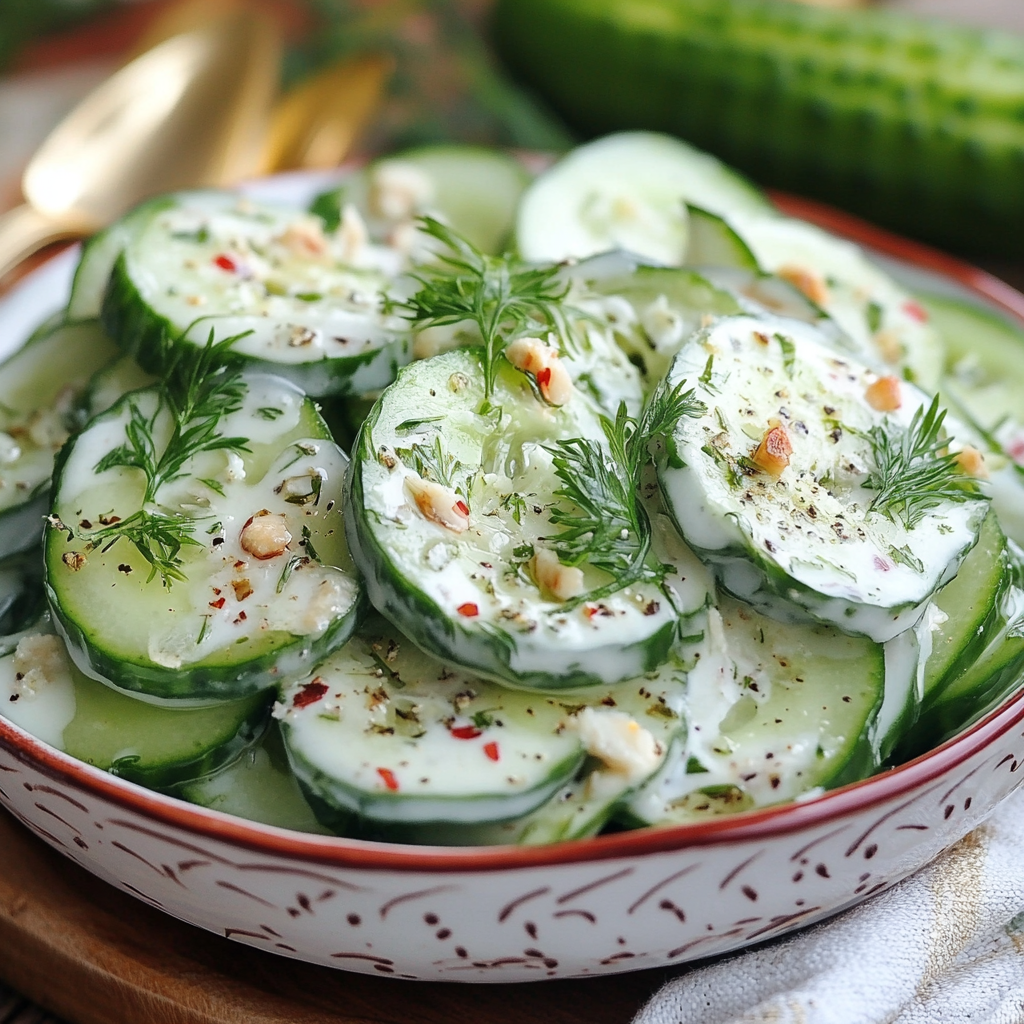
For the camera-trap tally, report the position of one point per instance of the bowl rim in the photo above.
(911, 779)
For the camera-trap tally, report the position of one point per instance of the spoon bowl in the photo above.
(189, 112)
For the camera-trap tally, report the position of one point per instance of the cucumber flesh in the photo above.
(397, 738)
(887, 325)
(474, 190)
(42, 692)
(772, 534)
(306, 305)
(466, 592)
(39, 387)
(244, 613)
(627, 191)
(111, 383)
(713, 243)
(774, 711)
(258, 786)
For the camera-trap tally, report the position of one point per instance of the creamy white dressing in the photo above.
(812, 522)
(37, 691)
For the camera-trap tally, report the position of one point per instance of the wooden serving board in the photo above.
(94, 955)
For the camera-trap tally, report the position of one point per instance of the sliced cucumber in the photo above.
(474, 190)
(466, 591)
(627, 191)
(794, 532)
(268, 586)
(713, 242)
(110, 383)
(306, 305)
(984, 367)
(997, 670)
(395, 737)
(42, 692)
(39, 387)
(774, 711)
(888, 326)
(650, 310)
(258, 786)
(99, 254)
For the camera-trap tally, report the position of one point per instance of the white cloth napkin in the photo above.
(946, 946)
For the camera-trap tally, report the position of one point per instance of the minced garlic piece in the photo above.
(772, 454)
(625, 747)
(884, 394)
(972, 462)
(38, 660)
(438, 504)
(807, 281)
(542, 362)
(563, 582)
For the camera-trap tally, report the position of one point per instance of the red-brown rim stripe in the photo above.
(751, 825)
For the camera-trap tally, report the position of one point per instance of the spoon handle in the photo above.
(24, 231)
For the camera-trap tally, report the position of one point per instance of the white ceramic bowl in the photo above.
(599, 906)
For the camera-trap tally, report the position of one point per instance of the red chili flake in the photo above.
(881, 564)
(1016, 450)
(462, 507)
(916, 310)
(225, 263)
(590, 610)
(310, 693)
(544, 377)
(389, 778)
(219, 603)
(465, 732)
(241, 618)
(491, 750)
(469, 610)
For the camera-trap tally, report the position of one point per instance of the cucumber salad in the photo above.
(464, 506)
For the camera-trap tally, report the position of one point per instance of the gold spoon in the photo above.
(314, 126)
(189, 112)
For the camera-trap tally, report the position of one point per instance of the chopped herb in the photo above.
(269, 412)
(308, 296)
(524, 552)
(286, 573)
(705, 377)
(307, 543)
(200, 235)
(406, 425)
(788, 352)
(607, 526)
(432, 462)
(906, 557)
(694, 767)
(516, 504)
(215, 485)
(483, 719)
(873, 315)
(913, 471)
(505, 297)
(328, 206)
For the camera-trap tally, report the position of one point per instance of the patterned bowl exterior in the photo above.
(606, 905)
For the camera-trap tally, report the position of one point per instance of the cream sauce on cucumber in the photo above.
(803, 526)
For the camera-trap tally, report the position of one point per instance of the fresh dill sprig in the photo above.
(607, 525)
(505, 297)
(913, 472)
(432, 462)
(201, 387)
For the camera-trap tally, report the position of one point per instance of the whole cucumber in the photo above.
(918, 125)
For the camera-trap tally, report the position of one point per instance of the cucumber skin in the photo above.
(152, 340)
(914, 124)
(168, 778)
(420, 619)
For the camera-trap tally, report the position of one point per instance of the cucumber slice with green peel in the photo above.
(258, 786)
(263, 584)
(997, 670)
(39, 387)
(650, 310)
(42, 692)
(886, 324)
(111, 383)
(305, 305)
(466, 591)
(474, 190)
(714, 243)
(393, 737)
(984, 365)
(99, 254)
(769, 484)
(627, 191)
(968, 610)
(774, 711)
